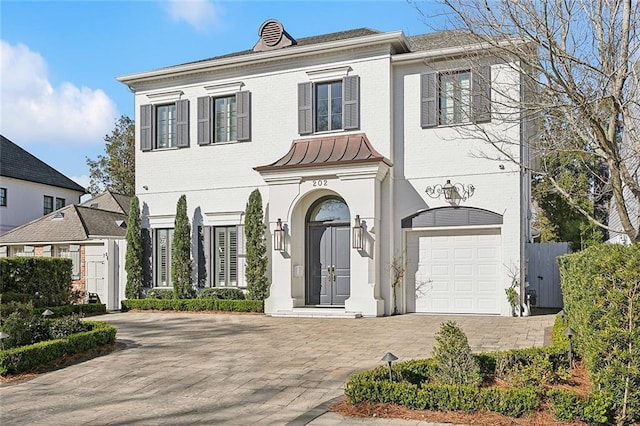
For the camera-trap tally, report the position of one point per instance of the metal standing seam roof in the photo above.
(327, 151)
(17, 163)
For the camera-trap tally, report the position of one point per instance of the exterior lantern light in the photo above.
(47, 313)
(453, 193)
(570, 332)
(389, 358)
(358, 233)
(278, 236)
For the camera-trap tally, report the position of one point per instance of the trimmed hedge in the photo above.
(229, 293)
(46, 281)
(372, 386)
(194, 305)
(601, 292)
(415, 384)
(159, 293)
(26, 358)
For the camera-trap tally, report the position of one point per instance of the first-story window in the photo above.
(225, 119)
(455, 97)
(48, 204)
(3, 197)
(163, 239)
(60, 203)
(70, 252)
(165, 126)
(226, 256)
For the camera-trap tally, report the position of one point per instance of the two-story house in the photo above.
(30, 188)
(354, 141)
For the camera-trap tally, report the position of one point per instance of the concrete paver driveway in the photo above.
(209, 369)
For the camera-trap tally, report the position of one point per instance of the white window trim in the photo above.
(327, 74)
(224, 89)
(164, 97)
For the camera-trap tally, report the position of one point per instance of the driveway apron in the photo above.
(206, 369)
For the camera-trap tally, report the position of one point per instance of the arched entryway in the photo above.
(328, 252)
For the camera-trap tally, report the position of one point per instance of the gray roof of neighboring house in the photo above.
(17, 163)
(110, 201)
(440, 40)
(74, 223)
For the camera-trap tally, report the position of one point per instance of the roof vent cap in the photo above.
(58, 216)
(272, 36)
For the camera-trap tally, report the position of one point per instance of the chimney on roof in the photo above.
(272, 37)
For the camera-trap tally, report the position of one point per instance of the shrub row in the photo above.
(601, 292)
(46, 281)
(87, 309)
(229, 293)
(26, 358)
(569, 406)
(510, 402)
(194, 305)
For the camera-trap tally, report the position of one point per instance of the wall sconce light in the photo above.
(453, 193)
(278, 236)
(357, 234)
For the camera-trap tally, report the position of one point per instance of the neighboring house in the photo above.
(91, 234)
(631, 156)
(30, 188)
(342, 133)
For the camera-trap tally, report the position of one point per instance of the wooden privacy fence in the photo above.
(543, 274)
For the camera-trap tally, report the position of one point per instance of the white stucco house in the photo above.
(30, 188)
(353, 139)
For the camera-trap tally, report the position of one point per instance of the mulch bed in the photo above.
(578, 382)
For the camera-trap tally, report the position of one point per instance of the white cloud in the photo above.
(32, 110)
(200, 14)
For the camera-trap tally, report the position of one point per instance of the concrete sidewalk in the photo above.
(205, 369)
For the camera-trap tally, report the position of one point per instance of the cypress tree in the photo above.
(254, 228)
(181, 264)
(135, 253)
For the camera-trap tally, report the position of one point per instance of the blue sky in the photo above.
(58, 92)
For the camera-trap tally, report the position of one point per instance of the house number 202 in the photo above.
(320, 182)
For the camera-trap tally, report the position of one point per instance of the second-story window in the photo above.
(165, 126)
(48, 204)
(225, 119)
(60, 203)
(455, 97)
(328, 106)
(3, 197)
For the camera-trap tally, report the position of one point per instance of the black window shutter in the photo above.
(481, 80)
(146, 127)
(305, 108)
(182, 123)
(204, 120)
(243, 115)
(351, 102)
(429, 100)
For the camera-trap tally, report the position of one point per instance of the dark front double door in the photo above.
(329, 264)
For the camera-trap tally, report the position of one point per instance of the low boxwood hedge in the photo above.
(221, 293)
(64, 310)
(194, 305)
(26, 358)
(413, 383)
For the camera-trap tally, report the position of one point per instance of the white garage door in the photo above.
(457, 271)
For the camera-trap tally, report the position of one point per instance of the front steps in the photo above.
(316, 313)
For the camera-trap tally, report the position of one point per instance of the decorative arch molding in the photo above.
(451, 216)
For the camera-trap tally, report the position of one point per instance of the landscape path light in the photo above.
(389, 358)
(47, 313)
(3, 336)
(570, 332)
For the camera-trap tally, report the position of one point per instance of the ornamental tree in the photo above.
(181, 264)
(254, 228)
(135, 252)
